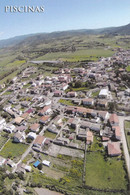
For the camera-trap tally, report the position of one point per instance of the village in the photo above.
(66, 113)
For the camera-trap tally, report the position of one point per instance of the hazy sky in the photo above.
(62, 15)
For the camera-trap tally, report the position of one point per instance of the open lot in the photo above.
(104, 174)
(54, 150)
(13, 150)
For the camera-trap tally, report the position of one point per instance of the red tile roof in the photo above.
(114, 149)
(34, 126)
(114, 118)
(39, 140)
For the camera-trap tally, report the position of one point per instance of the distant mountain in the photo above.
(35, 38)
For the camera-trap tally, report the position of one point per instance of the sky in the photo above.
(60, 15)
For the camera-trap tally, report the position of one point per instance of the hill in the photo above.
(36, 38)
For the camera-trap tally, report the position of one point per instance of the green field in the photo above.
(95, 94)
(13, 150)
(127, 129)
(79, 55)
(80, 89)
(128, 68)
(66, 102)
(104, 174)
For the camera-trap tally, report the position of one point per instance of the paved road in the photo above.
(127, 156)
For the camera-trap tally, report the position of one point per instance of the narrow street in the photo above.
(124, 142)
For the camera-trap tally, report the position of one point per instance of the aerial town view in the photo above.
(65, 112)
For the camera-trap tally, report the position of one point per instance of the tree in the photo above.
(112, 106)
(40, 166)
(21, 176)
(78, 84)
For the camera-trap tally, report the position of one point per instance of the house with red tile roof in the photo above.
(45, 111)
(89, 138)
(88, 102)
(39, 141)
(114, 121)
(57, 93)
(44, 119)
(72, 94)
(35, 127)
(117, 131)
(114, 149)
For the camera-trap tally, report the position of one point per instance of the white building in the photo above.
(2, 161)
(9, 128)
(2, 123)
(32, 135)
(104, 93)
(46, 163)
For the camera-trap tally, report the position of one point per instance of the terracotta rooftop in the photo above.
(117, 131)
(45, 118)
(114, 149)
(34, 126)
(114, 118)
(39, 140)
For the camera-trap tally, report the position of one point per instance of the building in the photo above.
(89, 138)
(2, 161)
(117, 132)
(44, 119)
(53, 129)
(45, 111)
(35, 127)
(57, 93)
(102, 103)
(32, 135)
(114, 121)
(73, 122)
(19, 137)
(9, 128)
(72, 94)
(104, 94)
(46, 163)
(18, 120)
(88, 102)
(127, 92)
(114, 149)
(82, 134)
(36, 164)
(2, 123)
(39, 141)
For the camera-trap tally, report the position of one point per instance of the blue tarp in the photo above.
(36, 163)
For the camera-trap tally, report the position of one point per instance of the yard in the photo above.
(105, 174)
(64, 173)
(95, 94)
(2, 141)
(127, 129)
(66, 102)
(13, 150)
(128, 68)
(49, 135)
(96, 145)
